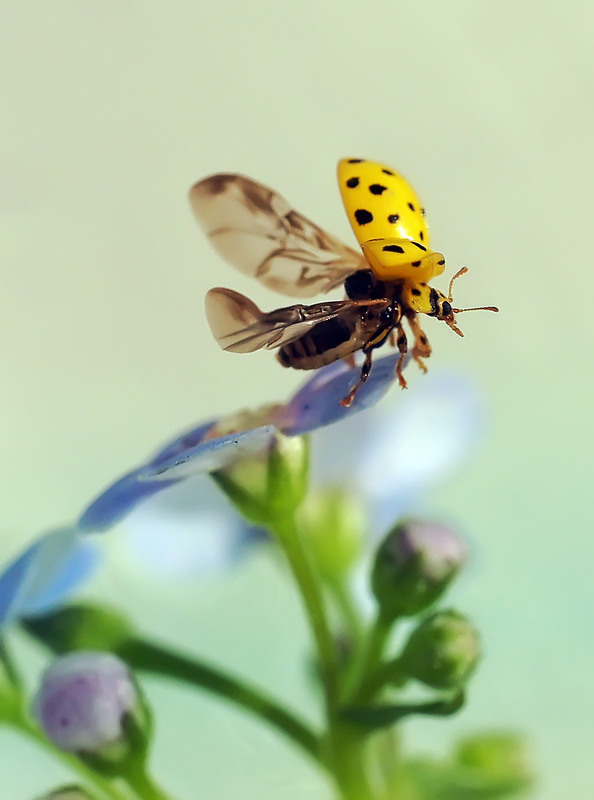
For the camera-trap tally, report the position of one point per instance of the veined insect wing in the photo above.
(259, 233)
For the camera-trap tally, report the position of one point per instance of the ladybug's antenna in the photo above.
(460, 272)
(476, 308)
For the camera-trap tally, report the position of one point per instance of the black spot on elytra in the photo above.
(420, 246)
(416, 292)
(411, 206)
(355, 160)
(393, 248)
(387, 172)
(352, 183)
(377, 188)
(421, 235)
(416, 263)
(363, 216)
(393, 218)
(423, 212)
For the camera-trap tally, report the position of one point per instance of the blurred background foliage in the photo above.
(111, 111)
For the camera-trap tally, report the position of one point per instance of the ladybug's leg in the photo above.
(365, 370)
(350, 361)
(402, 346)
(422, 348)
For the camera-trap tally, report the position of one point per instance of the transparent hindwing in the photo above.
(239, 326)
(258, 232)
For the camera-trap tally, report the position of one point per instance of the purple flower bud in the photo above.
(85, 704)
(414, 565)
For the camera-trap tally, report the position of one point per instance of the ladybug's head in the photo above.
(442, 305)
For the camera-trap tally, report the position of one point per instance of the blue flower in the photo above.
(176, 519)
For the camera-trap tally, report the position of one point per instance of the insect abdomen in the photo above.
(326, 342)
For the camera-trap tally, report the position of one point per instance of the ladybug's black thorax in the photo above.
(363, 285)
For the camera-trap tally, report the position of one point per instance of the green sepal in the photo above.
(264, 488)
(377, 717)
(130, 753)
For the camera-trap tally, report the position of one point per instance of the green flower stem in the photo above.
(149, 657)
(370, 656)
(287, 534)
(344, 745)
(103, 787)
(346, 607)
(350, 767)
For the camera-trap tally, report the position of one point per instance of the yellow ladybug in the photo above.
(258, 232)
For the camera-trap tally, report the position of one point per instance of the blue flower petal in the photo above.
(122, 496)
(118, 500)
(317, 403)
(182, 458)
(45, 573)
(403, 448)
(424, 438)
(181, 443)
(210, 455)
(76, 568)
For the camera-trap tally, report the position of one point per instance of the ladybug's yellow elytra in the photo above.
(388, 220)
(380, 203)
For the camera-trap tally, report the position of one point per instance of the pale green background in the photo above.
(110, 111)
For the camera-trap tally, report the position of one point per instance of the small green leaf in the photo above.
(80, 627)
(375, 717)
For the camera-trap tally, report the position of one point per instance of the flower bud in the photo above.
(414, 565)
(502, 758)
(265, 486)
(333, 525)
(442, 651)
(67, 793)
(88, 703)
